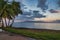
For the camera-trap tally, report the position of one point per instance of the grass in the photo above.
(43, 35)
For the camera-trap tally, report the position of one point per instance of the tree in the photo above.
(9, 11)
(16, 9)
(2, 8)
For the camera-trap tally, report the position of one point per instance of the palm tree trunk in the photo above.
(12, 22)
(5, 22)
(2, 23)
(9, 22)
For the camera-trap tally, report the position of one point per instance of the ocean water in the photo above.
(53, 26)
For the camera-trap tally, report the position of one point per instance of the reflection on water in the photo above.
(48, 25)
(54, 26)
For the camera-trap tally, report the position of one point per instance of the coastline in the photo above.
(42, 34)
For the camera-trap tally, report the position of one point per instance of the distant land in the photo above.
(56, 21)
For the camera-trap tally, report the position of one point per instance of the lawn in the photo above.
(43, 35)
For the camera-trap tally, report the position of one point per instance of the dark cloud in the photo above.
(53, 11)
(42, 4)
(22, 4)
(38, 15)
(58, 3)
(26, 13)
(35, 14)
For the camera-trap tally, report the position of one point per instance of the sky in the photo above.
(33, 8)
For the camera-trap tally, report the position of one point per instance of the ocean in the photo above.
(52, 26)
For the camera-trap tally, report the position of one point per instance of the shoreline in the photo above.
(37, 29)
(35, 34)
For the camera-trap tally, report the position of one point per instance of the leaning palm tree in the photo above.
(2, 8)
(16, 9)
(9, 11)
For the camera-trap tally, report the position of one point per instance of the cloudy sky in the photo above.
(46, 10)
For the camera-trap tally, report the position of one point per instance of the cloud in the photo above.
(38, 15)
(53, 11)
(51, 17)
(58, 3)
(36, 11)
(42, 4)
(26, 13)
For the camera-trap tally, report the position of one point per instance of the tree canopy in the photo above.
(8, 11)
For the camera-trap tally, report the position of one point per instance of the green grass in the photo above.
(37, 35)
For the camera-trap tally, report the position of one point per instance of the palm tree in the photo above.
(16, 9)
(2, 8)
(9, 11)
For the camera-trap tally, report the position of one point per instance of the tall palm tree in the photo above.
(2, 8)
(9, 11)
(15, 7)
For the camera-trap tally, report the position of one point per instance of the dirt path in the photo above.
(8, 36)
